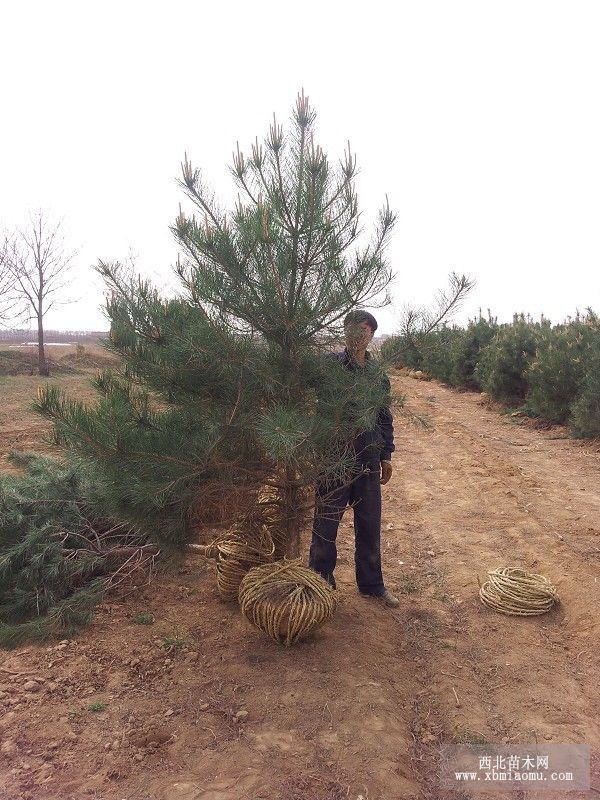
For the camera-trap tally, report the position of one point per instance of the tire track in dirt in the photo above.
(483, 493)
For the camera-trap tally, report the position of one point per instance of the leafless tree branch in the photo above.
(8, 298)
(415, 323)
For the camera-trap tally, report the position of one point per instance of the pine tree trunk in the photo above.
(291, 494)
(42, 364)
(293, 516)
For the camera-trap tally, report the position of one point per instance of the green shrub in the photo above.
(171, 643)
(501, 370)
(401, 351)
(144, 618)
(557, 372)
(585, 412)
(437, 351)
(466, 351)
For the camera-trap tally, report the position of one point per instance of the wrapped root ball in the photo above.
(237, 554)
(286, 600)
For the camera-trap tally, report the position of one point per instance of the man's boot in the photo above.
(387, 598)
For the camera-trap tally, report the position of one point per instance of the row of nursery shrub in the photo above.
(550, 371)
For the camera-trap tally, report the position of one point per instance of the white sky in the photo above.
(480, 120)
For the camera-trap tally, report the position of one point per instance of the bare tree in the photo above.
(8, 299)
(39, 265)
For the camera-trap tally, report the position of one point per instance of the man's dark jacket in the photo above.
(376, 444)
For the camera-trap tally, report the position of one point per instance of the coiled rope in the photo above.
(517, 592)
(245, 545)
(283, 598)
(236, 555)
(286, 600)
(271, 505)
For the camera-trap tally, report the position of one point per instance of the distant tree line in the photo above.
(21, 335)
(549, 371)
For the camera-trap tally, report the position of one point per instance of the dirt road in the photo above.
(198, 706)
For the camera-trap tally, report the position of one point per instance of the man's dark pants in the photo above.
(364, 494)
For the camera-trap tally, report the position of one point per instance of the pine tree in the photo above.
(467, 351)
(502, 366)
(557, 373)
(228, 387)
(58, 555)
(585, 412)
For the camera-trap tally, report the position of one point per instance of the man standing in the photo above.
(374, 467)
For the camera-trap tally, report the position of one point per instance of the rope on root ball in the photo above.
(247, 544)
(284, 512)
(237, 555)
(517, 592)
(286, 600)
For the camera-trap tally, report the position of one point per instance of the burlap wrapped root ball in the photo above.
(243, 547)
(271, 504)
(286, 600)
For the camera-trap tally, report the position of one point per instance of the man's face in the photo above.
(358, 335)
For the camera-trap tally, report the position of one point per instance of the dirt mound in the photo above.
(89, 359)
(25, 362)
(61, 360)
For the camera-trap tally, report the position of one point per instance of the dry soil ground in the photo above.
(20, 429)
(199, 706)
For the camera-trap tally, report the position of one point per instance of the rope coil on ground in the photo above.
(517, 592)
(286, 600)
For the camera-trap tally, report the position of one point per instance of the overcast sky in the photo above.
(480, 120)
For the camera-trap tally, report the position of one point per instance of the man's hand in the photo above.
(386, 471)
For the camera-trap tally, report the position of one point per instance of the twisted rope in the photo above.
(235, 558)
(517, 592)
(271, 505)
(247, 544)
(286, 600)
